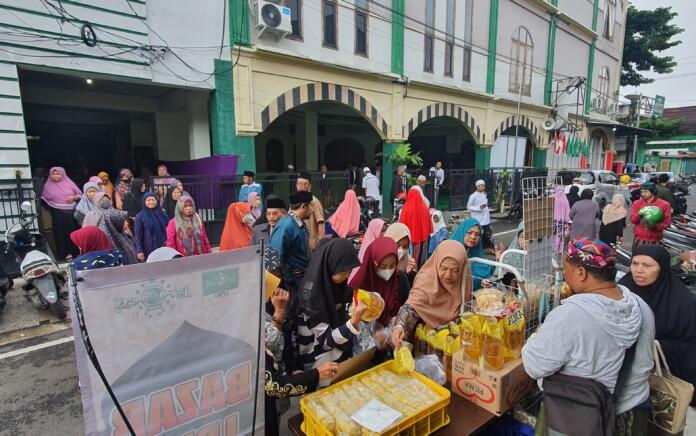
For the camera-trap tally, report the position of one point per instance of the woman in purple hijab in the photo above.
(60, 195)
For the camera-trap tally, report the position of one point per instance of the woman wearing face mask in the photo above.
(469, 234)
(402, 236)
(186, 232)
(238, 231)
(170, 200)
(326, 331)
(378, 273)
(61, 195)
(375, 229)
(441, 287)
(86, 205)
(150, 227)
(113, 223)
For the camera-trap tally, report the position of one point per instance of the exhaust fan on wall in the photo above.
(273, 19)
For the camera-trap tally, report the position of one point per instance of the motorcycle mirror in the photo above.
(25, 206)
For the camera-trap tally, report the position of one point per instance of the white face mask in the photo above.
(385, 274)
(403, 252)
(249, 219)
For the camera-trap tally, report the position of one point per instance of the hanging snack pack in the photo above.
(493, 343)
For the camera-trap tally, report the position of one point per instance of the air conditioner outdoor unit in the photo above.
(612, 108)
(273, 19)
(598, 103)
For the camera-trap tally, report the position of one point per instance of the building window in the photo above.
(449, 38)
(603, 90)
(330, 13)
(295, 18)
(468, 30)
(429, 38)
(609, 18)
(361, 12)
(521, 62)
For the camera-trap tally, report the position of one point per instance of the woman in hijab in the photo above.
(95, 179)
(346, 220)
(150, 227)
(186, 232)
(123, 187)
(561, 218)
(254, 199)
(326, 331)
(439, 231)
(86, 205)
(673, 305)
(402, 236)
(378, 273)
(237, 232)
(436, 297)
(613, 220)
(417, 218)
(95, 250)
(170, 200)
(469, 234)
(374, 230)
(162, 254)
(573, 195)
(61, 195)
(106, 184)
(113, 223)
(133, 200)
(584, 214)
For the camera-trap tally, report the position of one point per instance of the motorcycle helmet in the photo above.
(651, 214)
(626, 179)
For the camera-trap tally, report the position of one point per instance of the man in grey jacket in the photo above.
(589, 333)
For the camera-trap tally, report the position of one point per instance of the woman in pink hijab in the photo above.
(60, 195)
(254, 200)
(346, 220)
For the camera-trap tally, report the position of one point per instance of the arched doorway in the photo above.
(511, 152)
(600, 145)
(344, 152)
(514, 146)
(274, 155)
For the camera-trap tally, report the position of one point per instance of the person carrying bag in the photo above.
(669, 396)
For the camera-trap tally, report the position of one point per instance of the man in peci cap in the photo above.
(591, 333)
(290, 240)
(315, 220)
(478, 206)
(249, 186)
(649, 224)
(275, 210)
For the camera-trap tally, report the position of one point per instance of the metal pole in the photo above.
(517, 124)
(635, 138)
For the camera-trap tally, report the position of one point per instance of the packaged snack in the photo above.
(471, 335)
(489, 302)
(513, 324)
(493, 343)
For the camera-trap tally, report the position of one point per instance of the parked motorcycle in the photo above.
(26, 254)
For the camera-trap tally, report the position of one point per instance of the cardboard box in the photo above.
(494, 391)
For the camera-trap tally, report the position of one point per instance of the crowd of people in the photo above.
(422, 274)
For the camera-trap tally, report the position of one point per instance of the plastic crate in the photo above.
(422, 423)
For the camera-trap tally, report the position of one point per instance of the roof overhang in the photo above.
(620, 129)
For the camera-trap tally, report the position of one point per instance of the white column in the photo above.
(311, 141)
(198, 124)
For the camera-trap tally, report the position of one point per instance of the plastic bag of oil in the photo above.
(513, 326)
(374, 303)
(493, 343)
(471, 335)
(404, 358)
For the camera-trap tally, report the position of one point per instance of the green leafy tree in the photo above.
(648, 32)
(662, 127)
(404, 155)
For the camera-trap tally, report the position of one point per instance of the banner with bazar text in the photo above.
(178, 341)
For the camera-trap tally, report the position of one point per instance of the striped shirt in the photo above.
(318, 344)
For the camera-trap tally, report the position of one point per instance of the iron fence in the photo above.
(12, 193)
(502, 184)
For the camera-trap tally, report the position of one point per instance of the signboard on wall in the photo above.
(658, 106)
(178, 344)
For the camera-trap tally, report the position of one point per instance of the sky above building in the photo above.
(679, 87)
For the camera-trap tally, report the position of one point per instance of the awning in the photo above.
(620, 129)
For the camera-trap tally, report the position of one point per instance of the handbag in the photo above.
(669, 396)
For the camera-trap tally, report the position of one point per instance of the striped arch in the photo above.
(446, 110)
(323, 92)
(526, 123)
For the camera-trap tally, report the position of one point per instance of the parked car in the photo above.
(676, 183)
(602, 182)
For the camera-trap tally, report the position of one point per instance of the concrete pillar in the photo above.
(198, 128)
(311, 141)
(388, 169)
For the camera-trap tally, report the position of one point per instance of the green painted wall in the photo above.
(550, 56)
(539, 158)
(590, 74)
(388, 169)
(492, 46)
(239, 22)
(397, 46)
(483, 158)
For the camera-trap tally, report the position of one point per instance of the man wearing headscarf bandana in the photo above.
(644, 232)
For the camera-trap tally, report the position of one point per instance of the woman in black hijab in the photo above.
(573, 195)
(325, 330)
(672, 304)
(170, 199)
(133, 200)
